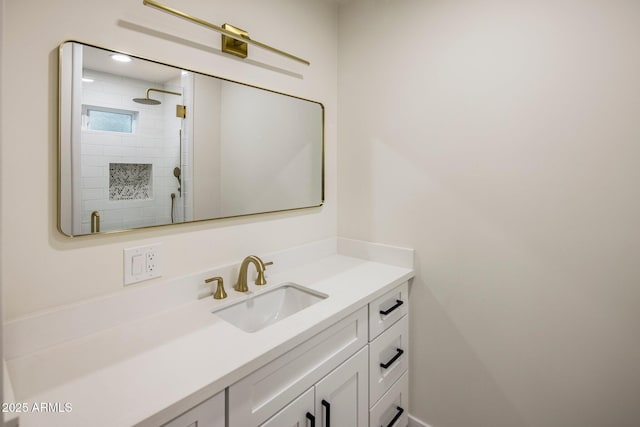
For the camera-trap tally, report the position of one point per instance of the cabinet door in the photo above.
(342, 397)
(210, 413)
(299, 413)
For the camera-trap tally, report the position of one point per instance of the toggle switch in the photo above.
(137, 264)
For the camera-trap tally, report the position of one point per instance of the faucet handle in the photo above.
(220, 293)
(261, 280)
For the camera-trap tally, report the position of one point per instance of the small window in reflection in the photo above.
(109, 119)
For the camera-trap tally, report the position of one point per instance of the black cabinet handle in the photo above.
(398, 415)
(312, 419)
(327, 407)
(396, 305)
(393, 359)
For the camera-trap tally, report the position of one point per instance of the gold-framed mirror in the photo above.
(146, 144)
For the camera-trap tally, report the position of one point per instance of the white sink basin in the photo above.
(267, 308)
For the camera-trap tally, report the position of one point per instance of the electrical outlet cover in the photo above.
(151, 260)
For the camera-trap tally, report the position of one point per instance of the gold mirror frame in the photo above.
(65, 188)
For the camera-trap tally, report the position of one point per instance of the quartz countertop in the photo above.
(149, 370)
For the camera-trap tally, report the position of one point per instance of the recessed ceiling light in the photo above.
(120, 57)
(87, 80)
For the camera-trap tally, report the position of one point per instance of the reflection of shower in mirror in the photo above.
(150, 101)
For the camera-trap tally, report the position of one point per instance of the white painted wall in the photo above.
(501, 139)
(42, 268)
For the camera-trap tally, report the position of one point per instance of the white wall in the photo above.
(42, 268)
(500, 139)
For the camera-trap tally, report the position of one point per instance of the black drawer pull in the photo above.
(327, 407)
(312, 419)
(398, 415)
(393, 359)
(396, 305)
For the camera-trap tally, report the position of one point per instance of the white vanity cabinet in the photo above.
(210, 413)
(352, 374)
(389, 359)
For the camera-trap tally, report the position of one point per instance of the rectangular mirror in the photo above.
(145, 144)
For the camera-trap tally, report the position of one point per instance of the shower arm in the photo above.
(162, 91)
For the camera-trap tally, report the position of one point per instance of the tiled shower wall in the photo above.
(155, 142)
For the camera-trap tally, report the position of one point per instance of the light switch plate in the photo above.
(142, 263)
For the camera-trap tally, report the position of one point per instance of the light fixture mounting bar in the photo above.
(221, 30)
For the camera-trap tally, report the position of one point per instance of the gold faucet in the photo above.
(241, 286)
(220, 293)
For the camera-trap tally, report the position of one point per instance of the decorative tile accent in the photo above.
(129, 181)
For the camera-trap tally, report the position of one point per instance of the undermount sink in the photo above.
(267, 308)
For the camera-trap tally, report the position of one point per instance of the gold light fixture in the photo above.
(234, 46)
(240, 37)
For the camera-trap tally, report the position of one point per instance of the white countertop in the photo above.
(149, 370)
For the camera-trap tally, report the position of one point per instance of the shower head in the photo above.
(147, 101)
(150, 101)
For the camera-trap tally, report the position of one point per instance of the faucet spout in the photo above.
(241, 286)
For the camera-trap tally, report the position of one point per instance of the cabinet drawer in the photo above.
(209, 413)
(392, 409)
(258, 396)
(388, 358)
(388, 309)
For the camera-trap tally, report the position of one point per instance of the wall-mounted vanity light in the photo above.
(234, 46)
(234, 40)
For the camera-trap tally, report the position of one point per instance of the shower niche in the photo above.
(146, 144)
(130, 181)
